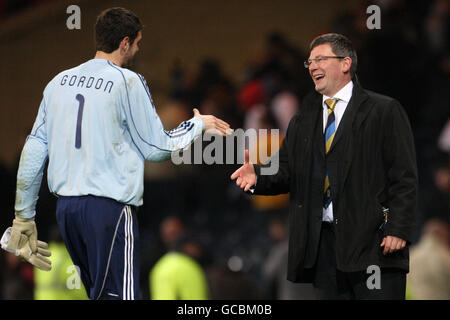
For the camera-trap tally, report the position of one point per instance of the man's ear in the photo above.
(346, 64)
(125, 44)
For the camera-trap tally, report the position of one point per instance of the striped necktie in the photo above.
(330, 130)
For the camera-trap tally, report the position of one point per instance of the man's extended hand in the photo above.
(246, 176)
(213, 124)
(392, 244)
(21, 239)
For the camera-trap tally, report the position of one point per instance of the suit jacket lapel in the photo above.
(358, 97)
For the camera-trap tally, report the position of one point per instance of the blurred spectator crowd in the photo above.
(236, 244)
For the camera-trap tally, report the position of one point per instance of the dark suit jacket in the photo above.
(376, 168)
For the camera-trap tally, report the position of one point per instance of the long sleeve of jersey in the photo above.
(145, 127)
(31, 168)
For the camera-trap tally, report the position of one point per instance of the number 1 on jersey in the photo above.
(80, 99)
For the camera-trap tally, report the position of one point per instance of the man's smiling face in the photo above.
(329, 75)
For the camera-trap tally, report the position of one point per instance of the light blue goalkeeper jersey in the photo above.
(96, 124)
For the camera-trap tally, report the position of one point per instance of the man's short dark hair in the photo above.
(340, 45)
(112, 26)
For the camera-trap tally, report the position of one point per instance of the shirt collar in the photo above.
(344, 94)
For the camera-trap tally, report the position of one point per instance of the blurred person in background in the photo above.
(156, 242)
(171, 229)
(429, 278)
(283, 107)
(436, 198)
(178, 275)
(347, 158)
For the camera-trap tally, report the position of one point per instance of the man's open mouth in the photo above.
(317, 77)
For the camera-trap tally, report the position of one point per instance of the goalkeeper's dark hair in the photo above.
(113, 25)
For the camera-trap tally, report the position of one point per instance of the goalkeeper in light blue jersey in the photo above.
(97, 124)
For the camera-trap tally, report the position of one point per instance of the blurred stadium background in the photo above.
(241, 61)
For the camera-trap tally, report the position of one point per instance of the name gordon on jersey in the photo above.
(87, 82)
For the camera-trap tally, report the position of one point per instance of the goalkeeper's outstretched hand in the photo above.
(213, 125)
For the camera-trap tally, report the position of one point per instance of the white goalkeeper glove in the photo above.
(21, 240)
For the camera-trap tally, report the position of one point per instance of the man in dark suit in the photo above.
(348, 161)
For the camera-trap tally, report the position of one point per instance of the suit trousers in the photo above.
(332, 284)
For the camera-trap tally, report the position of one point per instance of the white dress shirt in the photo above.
(344, 96)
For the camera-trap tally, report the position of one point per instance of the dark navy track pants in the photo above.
(102, 238)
